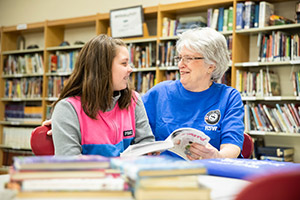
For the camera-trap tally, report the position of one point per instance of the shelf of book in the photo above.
(273, 133)
(271, 98)
(21, 123)
(268, 28)
(265, 71)
(25, 51)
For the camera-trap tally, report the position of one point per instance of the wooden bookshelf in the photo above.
(50, 34)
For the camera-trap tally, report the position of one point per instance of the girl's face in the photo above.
(121, 69)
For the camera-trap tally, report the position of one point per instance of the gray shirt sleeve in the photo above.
(143, 132)
(66, 129)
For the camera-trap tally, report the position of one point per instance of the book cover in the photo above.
(209, 16)
(276, 151)
(280, 159)
(220, 19)
(61, 162)
(225, 19)
(107, 183)
(256, 16)
(214, 22)
(230, 18)
(245, 168)
(97, 173)
(202, 193)
(169, 183)
(76, 195)
(156, 166)
(239, 16)
(249, 14)
(178, 142)
(266, 9)
(284, 119)
(290, 118)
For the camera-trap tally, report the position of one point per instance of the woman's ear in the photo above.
(211, 68)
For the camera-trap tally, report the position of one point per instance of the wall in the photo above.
(13, 12)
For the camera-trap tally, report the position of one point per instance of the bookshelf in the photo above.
(283, 64)
(50, 34)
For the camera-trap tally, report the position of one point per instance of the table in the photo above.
(222, 188)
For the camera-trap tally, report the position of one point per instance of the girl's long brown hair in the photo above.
(92, 77)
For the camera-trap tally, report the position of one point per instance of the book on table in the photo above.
(76, 195)
(162, 177)
(19, 175)
(178, 142)
(82, 176)
(61, 162)
(156, 166)
(174, 187)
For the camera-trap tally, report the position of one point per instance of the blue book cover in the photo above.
(245, 168)
(221, 19)
(239, 16)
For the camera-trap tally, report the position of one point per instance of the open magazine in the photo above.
(178, 142)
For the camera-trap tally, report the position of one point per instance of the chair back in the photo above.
(41, 143)
(248, 146)
(282, 185)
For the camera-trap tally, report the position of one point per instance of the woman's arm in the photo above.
(66, 130)
(143, 132)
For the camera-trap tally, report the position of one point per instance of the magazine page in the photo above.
(144, 148)
(183, 138)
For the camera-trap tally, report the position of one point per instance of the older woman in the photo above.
(197, 100)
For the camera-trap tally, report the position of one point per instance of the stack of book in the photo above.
(283, 154)
(161, 177)
(67, 177)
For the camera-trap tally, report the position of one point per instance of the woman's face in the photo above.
(195, 74)
(121, 69)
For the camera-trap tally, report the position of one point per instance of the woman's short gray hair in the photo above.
(210, 44)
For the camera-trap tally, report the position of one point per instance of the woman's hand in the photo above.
(199, 152)
(47, 123)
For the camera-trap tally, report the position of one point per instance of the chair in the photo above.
(282, 185)
(248, 146)
(41, 143)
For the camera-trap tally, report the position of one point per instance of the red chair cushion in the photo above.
(41, 143)
(248, 146)
(281, 186)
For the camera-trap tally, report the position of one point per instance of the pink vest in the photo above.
(114, 129)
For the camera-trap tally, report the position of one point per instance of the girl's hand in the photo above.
(47, 123)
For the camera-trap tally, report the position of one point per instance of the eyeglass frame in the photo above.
(186, 60)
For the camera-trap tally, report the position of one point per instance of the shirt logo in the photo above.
(127, 133)
(213, 117)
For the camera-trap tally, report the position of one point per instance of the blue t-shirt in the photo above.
(217, 111)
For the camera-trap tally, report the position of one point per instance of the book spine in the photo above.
(230, 18)
(221, 19)
(214, 22)
(209, 17)
(256, 16)
(225, 18)
(239, 16)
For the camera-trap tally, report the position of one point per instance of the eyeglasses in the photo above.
(186, 60)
